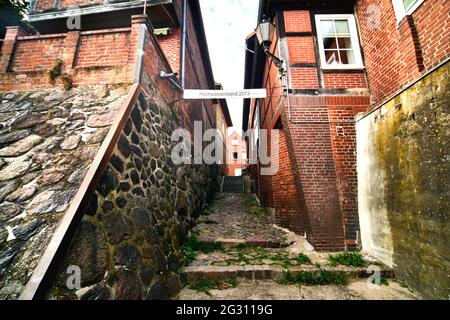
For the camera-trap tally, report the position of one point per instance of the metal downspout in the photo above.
(183, 46)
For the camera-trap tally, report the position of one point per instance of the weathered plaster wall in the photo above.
(128, 244)
(403, 177)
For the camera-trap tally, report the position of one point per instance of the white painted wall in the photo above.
(375, 231)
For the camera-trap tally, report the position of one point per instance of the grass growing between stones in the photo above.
(323, 277)
(191, 246)
(303, 259)
(206, 211)
(204, 285)
(253, 205)
(257, 256)
(351, 259)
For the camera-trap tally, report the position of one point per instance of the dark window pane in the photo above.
(345, 43)
(329, 43)
(332, 57)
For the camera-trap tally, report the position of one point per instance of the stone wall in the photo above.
(403, 177)
(48, 140)
(128, 244)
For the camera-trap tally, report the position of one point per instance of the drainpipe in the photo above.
(183, 46)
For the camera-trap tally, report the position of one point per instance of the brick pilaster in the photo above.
(70, 50)
(7, 48)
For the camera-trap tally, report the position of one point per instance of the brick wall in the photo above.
(303, 57)
(344, 80)
(341, 114)
(315, 190)
(289, 212)
(171, 47)
(89, 57)
(398, 53)
(42, 5)
(104, 49)
(231, 164)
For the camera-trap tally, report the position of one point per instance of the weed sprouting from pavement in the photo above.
(352, 259)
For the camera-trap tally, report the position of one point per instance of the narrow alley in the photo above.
(236, 252)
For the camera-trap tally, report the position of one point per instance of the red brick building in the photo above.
(343, 58)
(236, 151)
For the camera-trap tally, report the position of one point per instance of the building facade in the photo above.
(314, 191)
(236, 155)
(86, 174)
(343, 179)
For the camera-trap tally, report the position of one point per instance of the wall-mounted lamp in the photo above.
(264, 33)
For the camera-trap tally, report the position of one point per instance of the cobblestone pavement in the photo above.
(237, 218)
(270, 290)
(257, 254)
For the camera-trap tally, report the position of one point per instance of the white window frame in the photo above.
(353, 36)
(400, 10)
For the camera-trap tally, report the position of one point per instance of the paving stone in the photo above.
(97, 137)
(16, 168)
(13, 136)
(6, 188)
(8, 211)
(29, 229)
(71, 142)
(6, 257)
(98, 120)
(49, 201)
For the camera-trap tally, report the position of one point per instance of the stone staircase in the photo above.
(233, 185)
(271, 264)
(238, 240)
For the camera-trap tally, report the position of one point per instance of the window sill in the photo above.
(362, 68)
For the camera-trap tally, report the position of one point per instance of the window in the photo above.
(235, 155)
(404, 8)
(338, 41)
(235, 142)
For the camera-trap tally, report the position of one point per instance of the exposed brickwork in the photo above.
(171, 47)
(341, 114)
(297, 21)
(34, 54)
(44, 5)
(315, 190)
(301, 50)
(433, 27)
(104, 49)
(288, 211)
(304, 78)
(398, 53)
(90, 57)
(344, 80)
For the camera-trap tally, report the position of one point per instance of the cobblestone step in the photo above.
(251, 242)
(270, 272)
(233, 185)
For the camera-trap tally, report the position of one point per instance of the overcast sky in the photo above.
(227, 24)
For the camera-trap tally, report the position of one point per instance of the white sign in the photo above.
(224, 94)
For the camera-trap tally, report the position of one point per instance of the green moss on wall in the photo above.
(411, 146)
